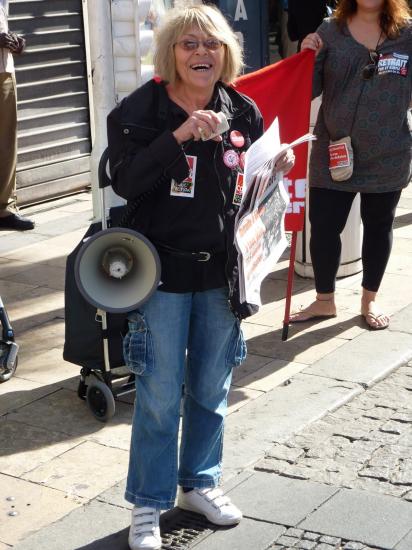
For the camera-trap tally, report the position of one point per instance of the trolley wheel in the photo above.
(6, 374)
(82, 389)
(100, 400)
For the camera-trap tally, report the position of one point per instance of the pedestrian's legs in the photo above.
(155, 349)
(8, 143)
(328, 212)
(377, 212)
(216, 345)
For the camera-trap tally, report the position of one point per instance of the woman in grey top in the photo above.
(363, 68)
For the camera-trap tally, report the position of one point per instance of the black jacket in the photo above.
(145, 157)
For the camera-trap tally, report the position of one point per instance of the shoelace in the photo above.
(216, 497)
(142, 525)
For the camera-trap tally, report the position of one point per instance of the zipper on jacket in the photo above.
(222, 194)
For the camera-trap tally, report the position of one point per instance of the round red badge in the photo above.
(237, 138)
(231, 159)
(242, 160)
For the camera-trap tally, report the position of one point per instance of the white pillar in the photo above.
(103, 88)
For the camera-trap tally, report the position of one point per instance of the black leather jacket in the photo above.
(144, 155)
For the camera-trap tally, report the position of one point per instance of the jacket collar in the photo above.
(225, 99)
(230, 102)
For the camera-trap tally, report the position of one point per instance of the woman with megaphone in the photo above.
(177, 147)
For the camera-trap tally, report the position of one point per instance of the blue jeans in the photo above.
(175, 339)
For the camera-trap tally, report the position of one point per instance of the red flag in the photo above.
(284, 90)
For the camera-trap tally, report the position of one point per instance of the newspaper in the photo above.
(259, 228)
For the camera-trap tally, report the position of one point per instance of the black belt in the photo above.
(202, 256)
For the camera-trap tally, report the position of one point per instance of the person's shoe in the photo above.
(144, 531)
(17, 222)
(210, 502)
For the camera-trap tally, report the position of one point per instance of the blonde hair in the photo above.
(395, 15)
(207, 19)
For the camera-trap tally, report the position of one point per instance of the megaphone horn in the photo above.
(117, 270)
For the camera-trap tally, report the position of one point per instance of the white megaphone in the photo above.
(117, 269)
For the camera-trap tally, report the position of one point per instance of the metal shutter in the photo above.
(52, 91)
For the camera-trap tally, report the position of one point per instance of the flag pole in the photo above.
(290, 286)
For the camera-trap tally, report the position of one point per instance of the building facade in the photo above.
(82, 57)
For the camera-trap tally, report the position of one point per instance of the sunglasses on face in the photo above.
(370, 69)
(191, 45)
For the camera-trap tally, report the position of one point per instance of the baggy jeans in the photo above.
(189, 339)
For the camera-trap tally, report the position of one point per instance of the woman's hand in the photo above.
(6, 41)
(200, 124)
(312, 42)
(285, 162)
(19, 44)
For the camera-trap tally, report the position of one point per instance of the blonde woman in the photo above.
(188, 191)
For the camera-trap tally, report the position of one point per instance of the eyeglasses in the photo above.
(190, 45)
(370, 69)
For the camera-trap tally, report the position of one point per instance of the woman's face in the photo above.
(199, 59)
(370, 5)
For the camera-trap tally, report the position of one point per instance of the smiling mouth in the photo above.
(201, 67)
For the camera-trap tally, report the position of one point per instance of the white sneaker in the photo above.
(211, 503)
(144, 531)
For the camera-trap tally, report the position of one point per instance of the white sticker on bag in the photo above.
(186, 188)
(338, 156)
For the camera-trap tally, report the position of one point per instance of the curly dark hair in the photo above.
(395, 15)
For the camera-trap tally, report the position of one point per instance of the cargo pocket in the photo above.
(237, 349)
(138, 346)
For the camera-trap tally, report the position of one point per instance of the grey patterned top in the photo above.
(373, 112)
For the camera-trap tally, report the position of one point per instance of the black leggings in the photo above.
(328, 212)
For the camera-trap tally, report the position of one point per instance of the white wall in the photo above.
(132, 42)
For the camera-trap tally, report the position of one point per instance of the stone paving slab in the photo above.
(36, 507)
(47, 367)
(40, 275)
(401, 322)
(276, 415)
(300, 539)
(11, 240)
(24, 448)
(301, 347)
(39, 339)
(85, 470)
(270, 376)
(240, 396)
(378, 520)
(353, 363)
(252, 364)
(405, 543)
(366, 444)
(248, 534)
(64, 412)
(115, 495)
(279, 500)
(19, 392)
(96, 526)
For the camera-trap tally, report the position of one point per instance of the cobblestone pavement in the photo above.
(306, 540)
(366, 444)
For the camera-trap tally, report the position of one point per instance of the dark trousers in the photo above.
(328, 212)
(8, 141)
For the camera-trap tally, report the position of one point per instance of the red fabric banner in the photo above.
(284, 90)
